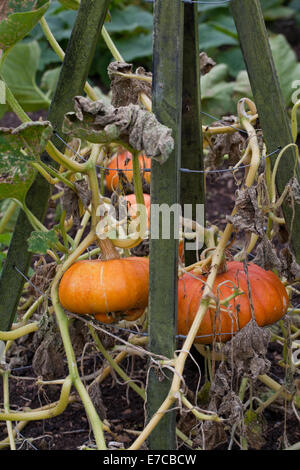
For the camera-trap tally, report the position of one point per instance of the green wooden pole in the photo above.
(192, 188)
(79, 54)
(268, 98)
(74, 72)
(167, 105)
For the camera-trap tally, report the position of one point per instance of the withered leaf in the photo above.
(289, 266)
(206, 63)
(127, 90)
(98, 122)
(71, 200)
(266, 255)
(249, 217)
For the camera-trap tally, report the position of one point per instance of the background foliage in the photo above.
(32, 68)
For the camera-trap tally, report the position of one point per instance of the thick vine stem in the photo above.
(17, 429)
(42, 414)
(255, 160)
(5, 375)
(18, 332)
(107, 248)
(294, 120)
(275, 169)
(198, 414)
(61, 55)
(7, 215)
(63, 324)
(253, 141)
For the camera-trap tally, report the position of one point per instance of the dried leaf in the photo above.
(289, 266)
(41, 279)
(266, 255)
(83, 191)
(230, 145)
(294, 191)
(206, 63)
(71, 200)
(48, 356)
(248, 349)
(249, 217)
(127, 90)
(245, 355)
(48, 359)
(98, 122)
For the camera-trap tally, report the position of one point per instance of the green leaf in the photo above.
(4, 205)
(60, 24)
(17, 18)
(135, 46)
(278, 13)
(233, 58)
(18, 148)
(5, 239)
(224, 23)
(287, 67)
(39, 242)
(268, 4)
(19, 72)
(47, 57)
(295, 5)
(49, 80)
(210, 38)
(207, 7)
(242, 87)
(72, 4)
(129, 19)
(216, 92)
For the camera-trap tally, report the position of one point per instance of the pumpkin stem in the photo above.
(106, 246)
(108, 250)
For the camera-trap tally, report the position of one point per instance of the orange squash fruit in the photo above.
(132, 206)
(100, 287)
(268, 294)
(123, 161)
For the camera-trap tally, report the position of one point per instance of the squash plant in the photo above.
(115, 287)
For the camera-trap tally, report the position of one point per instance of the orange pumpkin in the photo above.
(132, 206)
(123, 161)
(269, 298)
(97, 287)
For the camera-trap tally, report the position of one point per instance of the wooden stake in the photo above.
(269, 101)
(167, 105)
(192, 188)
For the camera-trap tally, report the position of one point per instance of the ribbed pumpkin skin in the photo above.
(96, 287)
(269, 298)
(123, 161)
